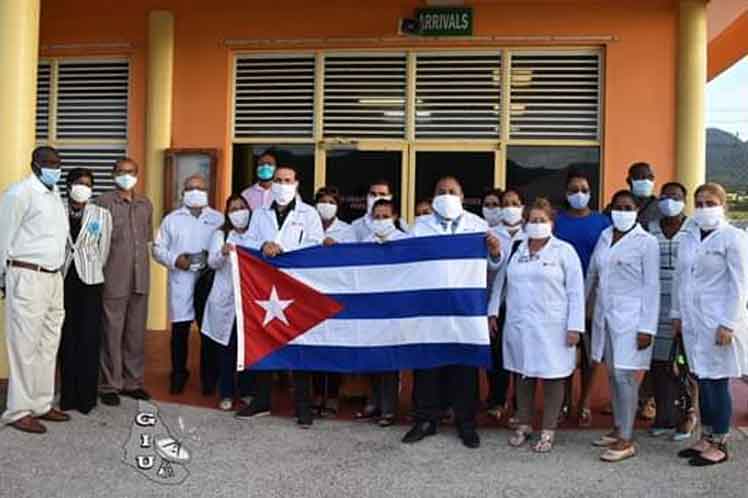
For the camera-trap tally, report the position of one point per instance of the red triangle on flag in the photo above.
(277, 308)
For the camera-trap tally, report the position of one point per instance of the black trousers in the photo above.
(302, 391)
(437, 387)
(498, 377)
(209, 355)
(80, 344)
(326, 384)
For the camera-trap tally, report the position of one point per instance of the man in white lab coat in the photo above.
(380, 189)
(181, 245)
(458, 383)
(288, 224)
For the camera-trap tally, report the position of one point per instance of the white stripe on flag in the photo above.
(397, 332)
(444, 274)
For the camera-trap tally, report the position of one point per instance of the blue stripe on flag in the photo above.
(406, 304)
(375, 359)
(461, 246)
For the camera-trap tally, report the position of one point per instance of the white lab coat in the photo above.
(497, 296)
(544, 300)
(220, 310)
(301, 228)
(392, 236)
(709, 290)
(625, 281)
(361, 227)
(340, 232)
(181, 233)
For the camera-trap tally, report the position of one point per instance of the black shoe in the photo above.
(470, 438)
(253, 410)
(178, 381)
(305, 421)
(137, 394)
(110, 399)
(419, 431)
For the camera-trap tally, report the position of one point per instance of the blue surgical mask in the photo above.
(49, 176)
(265, 171)
(578, 200)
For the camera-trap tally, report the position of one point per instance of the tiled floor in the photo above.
(158, 365)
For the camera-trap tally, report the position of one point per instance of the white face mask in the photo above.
(126, 182)
(284, 193)
(371, 199)
(642, 188)
(239, 219)
(578, 200)
(327, 210)
(623, 221)
(670, 207)
(80, 193)
(538, 230)
(448, 206)
(195, 198)
(709, 218)
(382, 228)
(492, 216)
(512, 215)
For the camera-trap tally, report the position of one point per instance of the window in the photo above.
(82, 108)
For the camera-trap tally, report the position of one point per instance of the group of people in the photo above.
(640, 288)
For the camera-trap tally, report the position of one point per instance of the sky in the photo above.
(727, 100)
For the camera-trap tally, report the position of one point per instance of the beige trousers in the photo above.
(34, 312)
(123, 343)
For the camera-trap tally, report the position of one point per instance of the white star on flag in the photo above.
(274, 307)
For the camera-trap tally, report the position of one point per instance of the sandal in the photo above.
(701, 461)
(585, 417)
(697, 449)
(545, 444)
(386, 420)
(521, 435)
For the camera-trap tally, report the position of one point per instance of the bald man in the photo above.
(126, 285)
(182, 247)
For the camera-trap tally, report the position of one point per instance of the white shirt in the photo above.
(709, 290)
(183, 233)
(361, 227)
(340, 232)
(220, 310)
(544, 300)
(33, 225)
(625, 280)
(301, 228)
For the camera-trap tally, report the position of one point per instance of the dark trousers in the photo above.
(326, 384)
(180, 338)
(302, 391)
(498, 377)
(667, 389)
(80, 344)
(229, 381)
(454, 384)
(385, 387)
(715, 404)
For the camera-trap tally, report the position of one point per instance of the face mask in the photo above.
(492, 216)
(512, 215)
(80, 193)
(49, 176)
(195, 198)
(371, 199)
(327, 210)
(708, 218)
(448, 206)
(284, 193)
(126, 182)
(382, 228)
(623, 221)
(642, 188)
(538, 230)
(239, 219)
(265, 171)
(578, 200)
(670, 207)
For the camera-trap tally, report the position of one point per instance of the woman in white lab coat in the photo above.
(544, 321)
(219, 323)
(624, 277)
(327, 202)
(709, 310)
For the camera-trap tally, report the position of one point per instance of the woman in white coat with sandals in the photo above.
(544, 321)
(624, 278)
(709, 310)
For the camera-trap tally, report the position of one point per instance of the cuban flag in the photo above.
(413, 303)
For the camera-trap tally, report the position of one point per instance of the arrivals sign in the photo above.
(445, 22)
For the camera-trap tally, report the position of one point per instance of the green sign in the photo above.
(445, 22)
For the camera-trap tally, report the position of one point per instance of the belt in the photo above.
(30, 266)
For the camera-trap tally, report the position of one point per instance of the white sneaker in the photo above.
(171, 450)
(226, 404)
